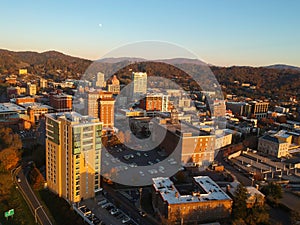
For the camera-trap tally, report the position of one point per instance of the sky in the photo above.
(219, 32)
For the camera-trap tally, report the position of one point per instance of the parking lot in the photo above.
(100, 211)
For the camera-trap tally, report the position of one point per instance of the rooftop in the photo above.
(73, 117)
(35, 105)
(10, 107)
(211, 191)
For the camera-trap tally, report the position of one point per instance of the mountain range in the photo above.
(274, 80)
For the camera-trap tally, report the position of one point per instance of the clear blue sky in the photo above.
(221, 32)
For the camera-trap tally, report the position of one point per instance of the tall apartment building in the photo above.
(73, 155)
(61, 102)
(31, 89)
(139, 80)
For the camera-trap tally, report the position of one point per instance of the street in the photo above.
(28, 194)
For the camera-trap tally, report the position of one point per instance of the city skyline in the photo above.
(224, 34)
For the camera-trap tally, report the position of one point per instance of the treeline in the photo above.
(276, 83)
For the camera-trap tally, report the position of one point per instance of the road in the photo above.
(28, 194)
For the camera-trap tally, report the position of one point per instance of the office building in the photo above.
(73, 155)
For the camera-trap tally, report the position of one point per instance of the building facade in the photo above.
(61, 102)
(273, 146)
(259, 109)
(197, 147)
(139, 86)
(73, 155)
(31, 89)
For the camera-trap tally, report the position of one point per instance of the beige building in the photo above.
(31, 89)
(201, 201)
(223, 138)
(273, 146)
(73, 155)
(100, 80)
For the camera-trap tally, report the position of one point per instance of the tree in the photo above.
(36, 179)
(9, 158)
(239, 209)
(273, 192)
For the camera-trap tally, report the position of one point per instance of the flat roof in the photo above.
(73, 117)
(10, 107)
(171, 194)
(35, 105)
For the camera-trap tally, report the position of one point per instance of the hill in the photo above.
(51, 63)
(275, 81)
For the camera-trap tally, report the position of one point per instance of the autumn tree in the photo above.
(10, 144)
(36, 179)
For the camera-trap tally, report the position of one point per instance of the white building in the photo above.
(139, 80)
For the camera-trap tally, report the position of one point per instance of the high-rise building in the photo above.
(100, 104)
(31, 89)
(73, 155)
(106, 105)
(139, 86)
(92, 104)
(100, 80)
(61, 102)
